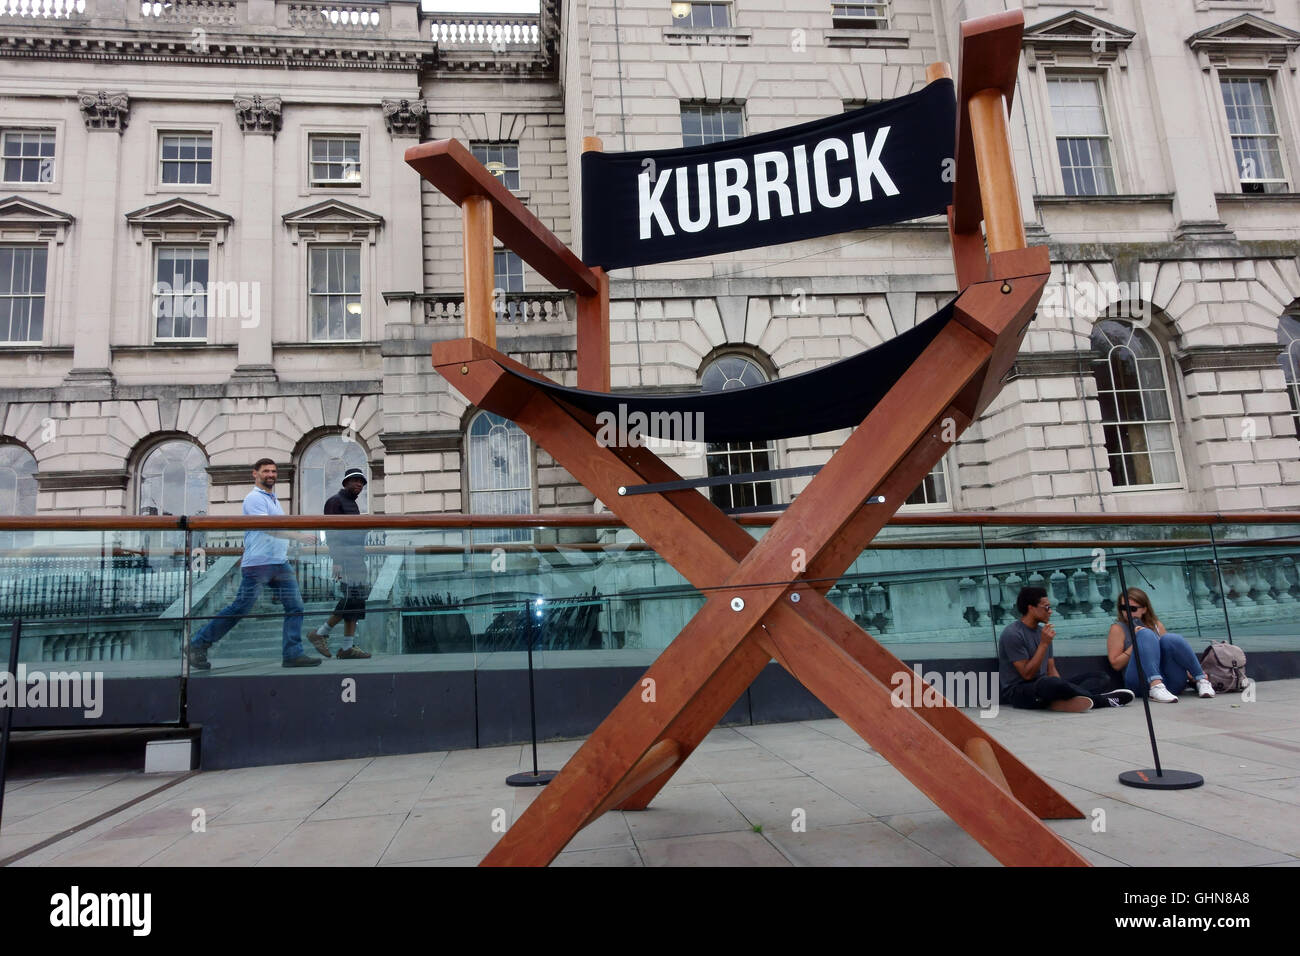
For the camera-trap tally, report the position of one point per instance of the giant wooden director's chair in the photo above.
(923, 388)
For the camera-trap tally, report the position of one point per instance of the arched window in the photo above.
(320, 471)
(737, 457)
(1288, 336)
(17, 481)
(173, 480)
(500, 473)
(1136, 414)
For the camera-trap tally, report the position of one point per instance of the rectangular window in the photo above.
(28, 156)
(22, 294)
(1252, 127)
(186, 159)
(705, 124)
(335, 160)
(688, 14)
(1082, 139)
(860, 16)
(335, 293)
(508, 271)
(180, 293)
(933, 490)
(501, 160)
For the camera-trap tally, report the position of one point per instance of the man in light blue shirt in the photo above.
(265, 562)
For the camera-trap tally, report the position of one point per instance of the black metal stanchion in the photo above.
(7, 719)
(1157, 778)
(537, 778)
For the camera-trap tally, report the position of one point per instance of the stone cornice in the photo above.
(81, 480)
(223, 49)
(1057, 364)
(396, 443)
(1207, 358)
(243, 474)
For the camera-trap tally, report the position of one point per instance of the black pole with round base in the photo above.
(536, 778)
(1158, 778)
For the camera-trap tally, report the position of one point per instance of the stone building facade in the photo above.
(215, 252)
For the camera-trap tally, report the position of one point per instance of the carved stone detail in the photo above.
(104, 110)
(258, 114)
(404, 117)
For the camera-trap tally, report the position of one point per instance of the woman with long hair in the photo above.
(1164, 654)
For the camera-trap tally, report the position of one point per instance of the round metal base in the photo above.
(530, 779)
(1168, 780)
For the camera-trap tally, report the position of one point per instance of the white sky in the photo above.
(480, 6)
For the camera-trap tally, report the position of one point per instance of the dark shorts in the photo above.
(352, 605)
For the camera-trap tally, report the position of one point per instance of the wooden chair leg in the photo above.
(944, 773)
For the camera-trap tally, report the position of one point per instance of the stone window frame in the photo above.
(152, 231)
(48, 227)
(44, 125)
(1047, 56)
(364, 188)
(157, 130)
(1273, 57)
(347, 225)
(1172, 396)
(496, 535)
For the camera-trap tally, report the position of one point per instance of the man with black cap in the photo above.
(348, 549)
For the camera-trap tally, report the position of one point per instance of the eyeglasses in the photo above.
(1132, 607)
(1044, 607)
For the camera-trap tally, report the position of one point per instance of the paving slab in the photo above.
(734, 802)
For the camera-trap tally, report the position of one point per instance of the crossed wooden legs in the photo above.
(752, 613)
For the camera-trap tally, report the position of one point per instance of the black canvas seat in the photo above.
(839, 395)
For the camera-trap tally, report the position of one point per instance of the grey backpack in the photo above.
(1225, 666)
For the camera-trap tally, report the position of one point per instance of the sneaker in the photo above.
(320, 642)
(199, 658)
(1114, 698)
(300, 662)
(352, 653)
(1204, 688)
(1160, 694)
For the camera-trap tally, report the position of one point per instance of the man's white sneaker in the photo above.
(1160, 694)
(1204, 688)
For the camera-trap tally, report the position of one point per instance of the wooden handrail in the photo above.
(462, 521)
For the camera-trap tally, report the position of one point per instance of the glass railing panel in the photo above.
(1255, 587)
(1081, 567)
(95, 606)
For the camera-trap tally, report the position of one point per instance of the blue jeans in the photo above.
(283, 583)
(1169, 658)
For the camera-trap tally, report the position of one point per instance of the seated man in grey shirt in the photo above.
(1027, 669)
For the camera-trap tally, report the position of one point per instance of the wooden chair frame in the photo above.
(765, 599)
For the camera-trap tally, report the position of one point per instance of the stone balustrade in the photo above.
(512, 307)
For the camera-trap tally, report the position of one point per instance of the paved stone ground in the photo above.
(438, 809)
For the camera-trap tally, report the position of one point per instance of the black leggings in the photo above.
(1037, 694)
